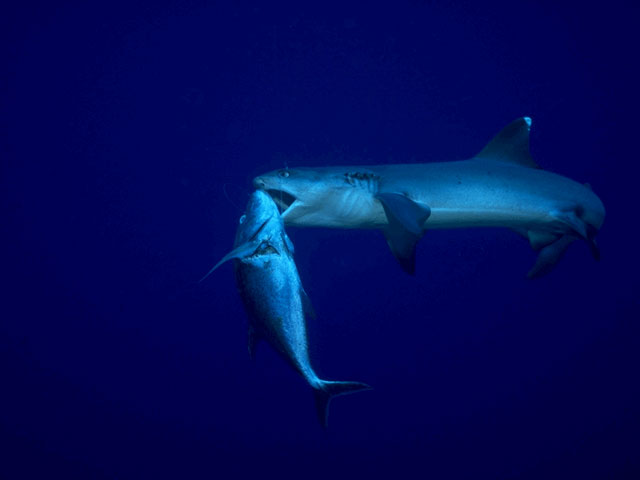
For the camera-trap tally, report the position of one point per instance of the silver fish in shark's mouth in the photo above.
(272, 293)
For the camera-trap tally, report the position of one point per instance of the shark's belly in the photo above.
(466, 217)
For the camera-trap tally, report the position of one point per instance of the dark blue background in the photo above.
(122, 127)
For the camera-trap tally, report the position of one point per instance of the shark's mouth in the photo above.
(282, 199)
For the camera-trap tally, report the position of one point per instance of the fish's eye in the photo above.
(242, 219)
(283, 173)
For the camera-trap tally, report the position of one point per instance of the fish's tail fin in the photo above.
(326, 390)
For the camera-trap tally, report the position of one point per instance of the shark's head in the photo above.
(289, 187)
(324, 196)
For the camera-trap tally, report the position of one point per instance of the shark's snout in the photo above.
(259, 183)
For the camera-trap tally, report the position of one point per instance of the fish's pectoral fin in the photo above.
(241, 251)
(549, 256)
(511, 144)
(405, 227)
(288, 243)
(326, 390)
(309, 311)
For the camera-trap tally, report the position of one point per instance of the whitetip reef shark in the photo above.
(273, 297)
(502, 186)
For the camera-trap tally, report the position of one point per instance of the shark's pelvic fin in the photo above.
(552, 246)
(550, 255)
(326, 390)
(405, 227)
(539, 238)
(570, 219)
(511, 144)
(580, 227)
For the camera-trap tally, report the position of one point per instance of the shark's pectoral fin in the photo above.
(403, 247)
(404, 213)
(549, 256)
(405, 227)
(241, 251)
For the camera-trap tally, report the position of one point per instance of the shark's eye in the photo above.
(283, 173)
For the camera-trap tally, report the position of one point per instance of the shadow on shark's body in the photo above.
(502, 186)
(275, 302)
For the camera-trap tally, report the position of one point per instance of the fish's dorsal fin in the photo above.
(511, 145)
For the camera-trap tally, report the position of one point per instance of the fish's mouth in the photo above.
(282, 199)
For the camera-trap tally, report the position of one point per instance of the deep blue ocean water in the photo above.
(130, 135)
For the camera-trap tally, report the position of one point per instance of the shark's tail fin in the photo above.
(326, 390)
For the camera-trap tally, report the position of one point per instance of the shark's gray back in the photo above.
(484, 186)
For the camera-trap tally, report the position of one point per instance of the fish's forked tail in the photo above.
(326, 390)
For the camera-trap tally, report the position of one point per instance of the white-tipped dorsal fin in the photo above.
(511, 144)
